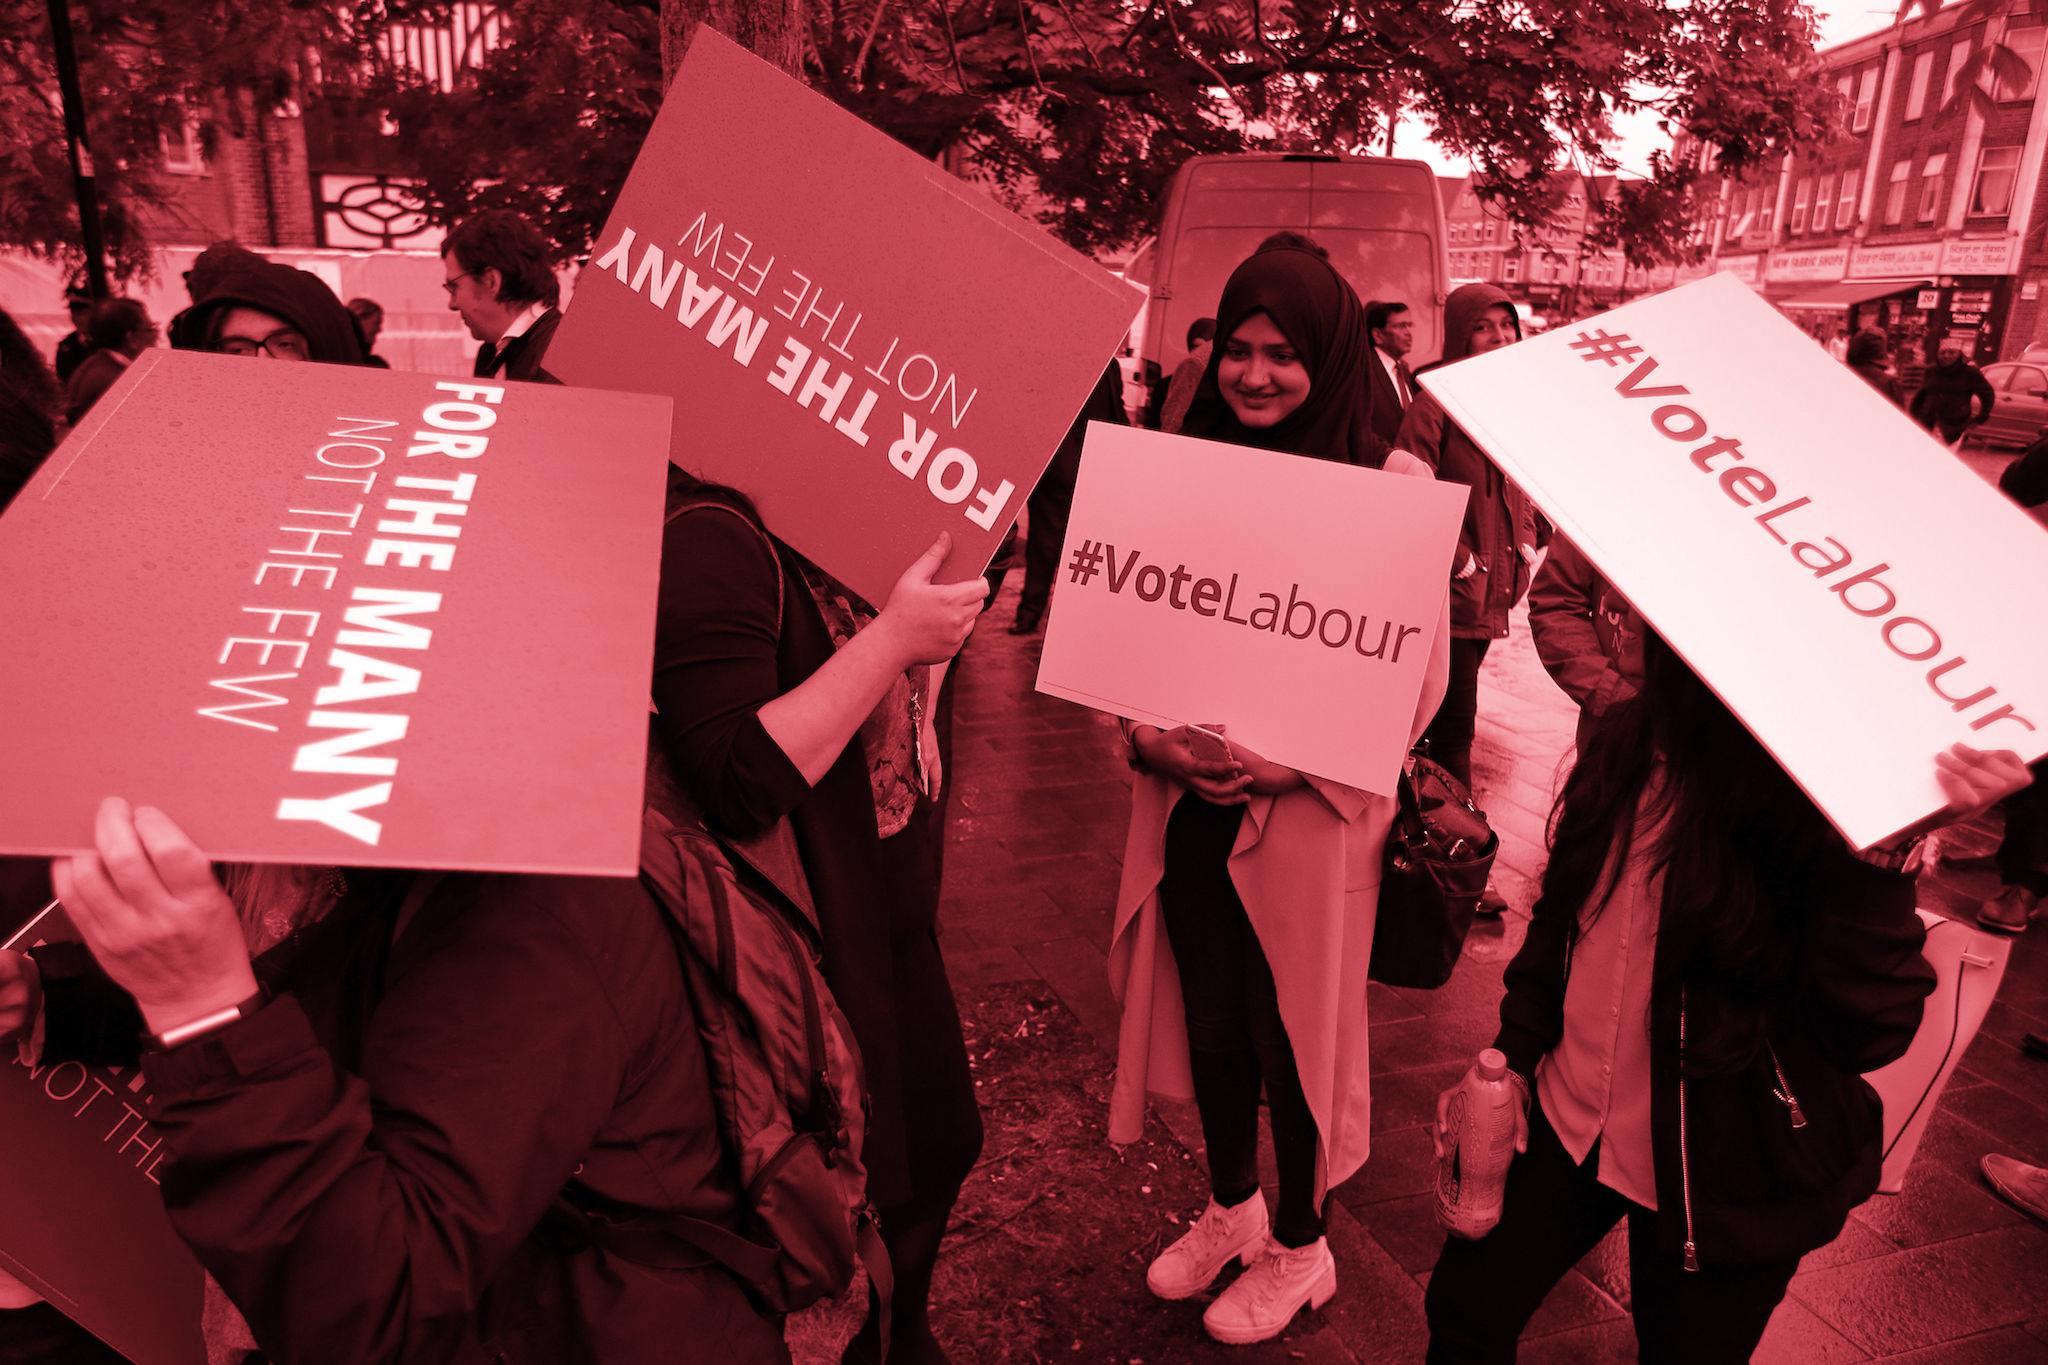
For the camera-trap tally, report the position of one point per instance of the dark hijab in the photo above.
(1323, 320)
(295, 297)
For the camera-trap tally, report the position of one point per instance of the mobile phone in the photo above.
(1208, 744)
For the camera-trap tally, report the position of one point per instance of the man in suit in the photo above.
(499, 273)
(1392, 328)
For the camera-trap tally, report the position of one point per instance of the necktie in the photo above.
(1407, 385)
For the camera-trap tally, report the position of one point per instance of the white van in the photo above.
(1379, 218)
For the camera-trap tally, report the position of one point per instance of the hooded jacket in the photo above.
(293, 296)
(1870, 357)
(1499, 518)
(1949, 395)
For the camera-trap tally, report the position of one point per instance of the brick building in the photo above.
(1552, 270)
(1925, 216)
(311, 186)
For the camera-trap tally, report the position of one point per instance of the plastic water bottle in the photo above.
(1479, 1142)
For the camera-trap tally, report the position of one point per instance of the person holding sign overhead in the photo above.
(1242, 876)
(1709, 971)
(782, 695)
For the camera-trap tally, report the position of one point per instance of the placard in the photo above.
(1816, 557)
(338, 615)
(82, 1221)
(1292, 600)
(871, 350)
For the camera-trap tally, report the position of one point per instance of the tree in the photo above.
(146, 67)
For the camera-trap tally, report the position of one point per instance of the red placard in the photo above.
(872, 350)
(81, 1219)
(338, 615)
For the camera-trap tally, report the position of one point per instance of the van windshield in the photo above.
(1378, 263)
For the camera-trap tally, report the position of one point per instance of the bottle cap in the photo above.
(1493, 1064)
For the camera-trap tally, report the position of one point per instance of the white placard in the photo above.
(1292, 600)
(1855, 593)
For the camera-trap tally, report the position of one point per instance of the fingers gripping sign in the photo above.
(930, 621)
(148, 906)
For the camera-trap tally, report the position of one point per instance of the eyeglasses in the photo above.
(286, 343)
(453, 280)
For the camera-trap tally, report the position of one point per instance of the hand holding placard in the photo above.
(148, 906)
(927, 622)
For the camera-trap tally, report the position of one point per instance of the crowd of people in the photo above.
(464, 1117)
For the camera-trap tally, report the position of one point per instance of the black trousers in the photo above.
(1450, 731)
(1236, 1038)
(1050, 504)
(1483, 1293)
(2023, 852)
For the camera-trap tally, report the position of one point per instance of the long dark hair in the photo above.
(1729, 823)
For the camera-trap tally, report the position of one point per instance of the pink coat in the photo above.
(1307, 867)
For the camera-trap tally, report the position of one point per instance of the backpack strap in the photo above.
(771, 855)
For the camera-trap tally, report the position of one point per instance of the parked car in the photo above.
(2022, 408)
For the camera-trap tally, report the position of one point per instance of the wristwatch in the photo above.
(207, 1023)
(1905, 859)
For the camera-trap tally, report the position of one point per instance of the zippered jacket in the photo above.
(1763, 1131)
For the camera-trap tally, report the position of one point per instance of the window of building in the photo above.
(1997, 168)
(1916, 89)
(1895, 195)
(1766, 207)
(1511, 269)
(1958, 53)
(180, 147)
(1930, 186)
(2025, 43)
(1489, 230)
(1802, 195)
(1866, 101)
(1845, 205)
(1823, 200)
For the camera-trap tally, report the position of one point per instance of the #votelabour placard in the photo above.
(82, 1221)
(1293, 601)
(330, 614)
(870, 349)
(1851, 589)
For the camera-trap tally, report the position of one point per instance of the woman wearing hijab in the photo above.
(1244, 920)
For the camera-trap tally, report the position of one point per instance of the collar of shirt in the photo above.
(522, 323)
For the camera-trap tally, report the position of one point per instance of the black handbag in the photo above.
(1439, 855)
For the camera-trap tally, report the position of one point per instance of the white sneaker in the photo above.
(1261, 1302)
(1192, 1263)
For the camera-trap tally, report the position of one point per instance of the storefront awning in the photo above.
(1849, 293)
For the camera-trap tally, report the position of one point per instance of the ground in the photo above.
(1047, 1254)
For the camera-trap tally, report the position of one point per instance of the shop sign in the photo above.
(1927, 300)
(1895, 259)
(1741, 267)
(1978, 256)
(1827, 263)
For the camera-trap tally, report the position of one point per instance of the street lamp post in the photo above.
(81, 151)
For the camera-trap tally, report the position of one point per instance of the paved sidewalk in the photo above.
(1944, 1272)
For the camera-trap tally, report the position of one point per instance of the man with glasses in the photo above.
(261, 309)
(499, 274)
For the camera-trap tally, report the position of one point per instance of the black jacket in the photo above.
(369, 1165)
(521, 357)
(1948, 395)
(1387, 407)
(1736, 1180)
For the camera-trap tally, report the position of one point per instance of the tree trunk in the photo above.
(771, 29)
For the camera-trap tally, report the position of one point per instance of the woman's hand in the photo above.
(21, 995)
(1169, 753)
(148, 906)
(1973, 780)
(926, 622)
(1440, 1134)
(1267, 778)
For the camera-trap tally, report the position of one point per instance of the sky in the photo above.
(1840, 20)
